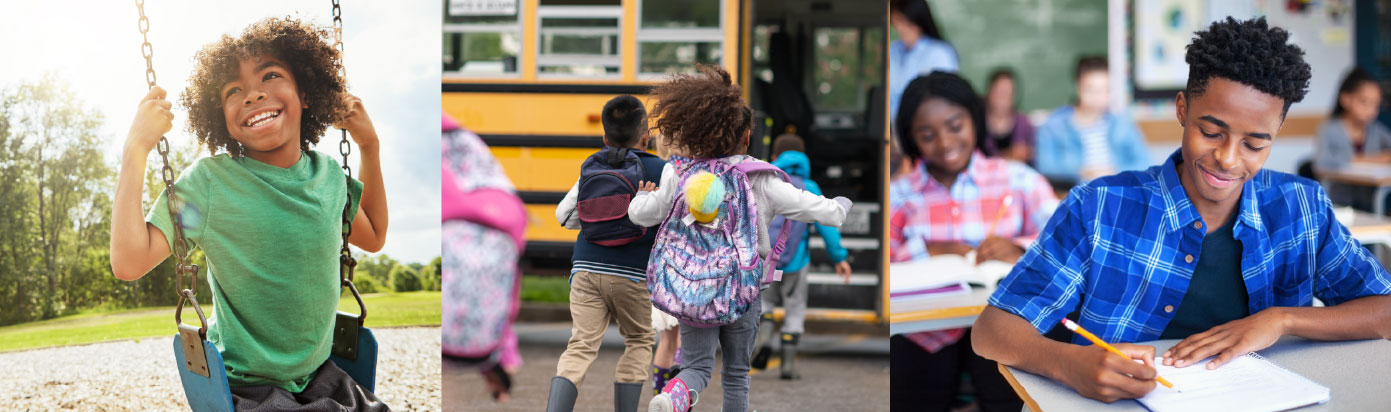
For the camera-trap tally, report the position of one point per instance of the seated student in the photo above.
(1009, 134)
(949, 204)
(1087, 141)
(1353, 135)
(1207, 247)
(919, 49)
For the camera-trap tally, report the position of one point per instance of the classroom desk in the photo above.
(1357, 372)
(1369, 228)
(1363, 174)
(943, 313)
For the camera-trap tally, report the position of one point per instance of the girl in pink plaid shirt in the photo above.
(948, 204)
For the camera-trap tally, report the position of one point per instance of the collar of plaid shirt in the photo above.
(1128, 276)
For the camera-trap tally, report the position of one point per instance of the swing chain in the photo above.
(175, 204)
(345, 256)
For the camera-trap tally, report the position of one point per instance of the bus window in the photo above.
(762, 34)
(579, 38)
(847, 65)
(481, 37)
(674, 35)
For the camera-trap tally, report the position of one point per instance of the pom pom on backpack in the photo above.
(704, 194)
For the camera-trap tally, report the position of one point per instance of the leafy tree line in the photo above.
(55, 215)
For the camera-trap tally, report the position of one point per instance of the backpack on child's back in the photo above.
(608, 181)
(705, 268)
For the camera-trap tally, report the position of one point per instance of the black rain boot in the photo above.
(766, 329)
(789, 355)
(625, 396)
(563, 394)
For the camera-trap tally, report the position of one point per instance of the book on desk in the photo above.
(943, 276)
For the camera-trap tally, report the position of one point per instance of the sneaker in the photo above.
(674, 398)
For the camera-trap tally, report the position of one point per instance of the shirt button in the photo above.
(1197, 225)
(1168, 308)
(1188, 258)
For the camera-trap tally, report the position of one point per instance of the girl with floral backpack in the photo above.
(713, 252)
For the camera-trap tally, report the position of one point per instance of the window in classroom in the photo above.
(481, 37)
(579, 38)
(674, 35)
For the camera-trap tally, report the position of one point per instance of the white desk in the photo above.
(1363, 174)
(908, 316)
(1357, 372)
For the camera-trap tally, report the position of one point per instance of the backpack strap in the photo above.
(771, 273)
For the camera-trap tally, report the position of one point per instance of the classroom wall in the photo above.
(1323, 29)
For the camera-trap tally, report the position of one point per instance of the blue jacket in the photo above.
(796, 163)
(1060, 150)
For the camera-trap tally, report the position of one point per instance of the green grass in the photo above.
(102, 325)
(552, 289)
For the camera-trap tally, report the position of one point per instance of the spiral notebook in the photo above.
(1247, 383)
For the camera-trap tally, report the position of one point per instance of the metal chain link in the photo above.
(173, 202)
(345, 256)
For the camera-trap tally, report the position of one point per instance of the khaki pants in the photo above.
(594, 300)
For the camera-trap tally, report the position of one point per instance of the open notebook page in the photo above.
(1247, 383)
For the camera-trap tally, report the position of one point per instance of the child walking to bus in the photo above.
(607, 266)
(713, 251)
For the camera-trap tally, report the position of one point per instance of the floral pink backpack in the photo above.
(709, 274)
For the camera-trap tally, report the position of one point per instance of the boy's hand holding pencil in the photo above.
(1095, 372)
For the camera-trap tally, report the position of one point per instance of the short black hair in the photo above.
(788, 141)
(938, 84)
(625, 119)
(1249, 52)
(1087, 64)
(1353, 80)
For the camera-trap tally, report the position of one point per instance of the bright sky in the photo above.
(391, 53)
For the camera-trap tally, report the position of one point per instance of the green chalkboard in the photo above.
(1039, 39)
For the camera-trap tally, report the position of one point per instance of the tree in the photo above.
(404, 279)
(53, 182)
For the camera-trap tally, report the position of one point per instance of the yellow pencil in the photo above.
(1004, 206)
(1073, 326)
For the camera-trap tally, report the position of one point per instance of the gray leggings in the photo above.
(737, 341)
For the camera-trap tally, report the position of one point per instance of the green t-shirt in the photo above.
(271, 237)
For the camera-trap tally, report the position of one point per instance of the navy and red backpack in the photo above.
(608, 181)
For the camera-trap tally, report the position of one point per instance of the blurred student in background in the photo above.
(1083, 142)
(1009, 134)
(919, 49)
(1353, 135)
(954, 201)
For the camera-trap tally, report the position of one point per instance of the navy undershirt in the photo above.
(1217, 294)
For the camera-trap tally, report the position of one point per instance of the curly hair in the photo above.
(940, 85)
(1249, 52)
(702, 114)
(307, 52)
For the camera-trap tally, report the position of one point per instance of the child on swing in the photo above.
(267, 212)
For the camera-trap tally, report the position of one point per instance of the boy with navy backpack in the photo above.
(608, 266)
(789, 154)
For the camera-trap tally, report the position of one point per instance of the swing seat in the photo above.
(205, 384)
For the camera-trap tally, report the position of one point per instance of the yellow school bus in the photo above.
(531, 77)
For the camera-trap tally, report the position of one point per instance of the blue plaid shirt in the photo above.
(1123, 249)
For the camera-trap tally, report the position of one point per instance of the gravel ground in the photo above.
(140, 375)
